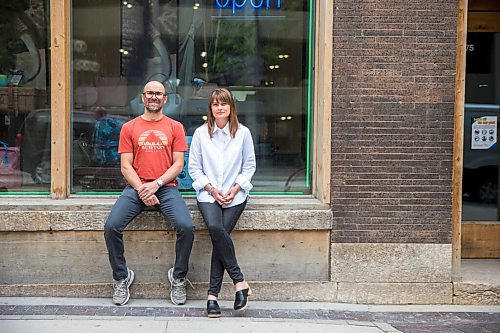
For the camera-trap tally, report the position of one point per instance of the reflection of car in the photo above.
(34, 137)
(481, 184)
(34, 140)
(480, 173)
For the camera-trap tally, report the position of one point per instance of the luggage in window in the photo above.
(10, 173)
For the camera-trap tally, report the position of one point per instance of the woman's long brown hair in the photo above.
(225, 96)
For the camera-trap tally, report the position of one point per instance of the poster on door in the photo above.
(484, 132)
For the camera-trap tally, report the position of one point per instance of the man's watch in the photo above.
(160, 182)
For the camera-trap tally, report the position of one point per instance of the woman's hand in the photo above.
(218, 196)
(229, 196)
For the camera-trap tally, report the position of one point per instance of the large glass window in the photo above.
(482, 111)
(260, 50)
(24, 96)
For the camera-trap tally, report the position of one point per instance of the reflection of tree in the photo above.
(237, 53)
(10, 42)
(148, 32)
(22, 34)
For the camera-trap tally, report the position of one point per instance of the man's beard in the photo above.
(153, 108)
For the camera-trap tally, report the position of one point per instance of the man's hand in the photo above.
(152, 201)
(147, 193)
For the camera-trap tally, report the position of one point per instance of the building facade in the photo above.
(358, 111)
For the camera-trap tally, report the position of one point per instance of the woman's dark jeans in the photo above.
(220, 223)
(128, 206)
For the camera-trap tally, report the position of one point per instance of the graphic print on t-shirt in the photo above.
(152, 140)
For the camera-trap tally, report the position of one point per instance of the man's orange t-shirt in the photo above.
(153, 144)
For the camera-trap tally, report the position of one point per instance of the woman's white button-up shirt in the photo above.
(222, 161)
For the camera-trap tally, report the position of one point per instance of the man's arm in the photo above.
(175, 169)
(128, 171)
(133, 179)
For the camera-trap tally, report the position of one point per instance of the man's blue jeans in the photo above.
(220, 223)
(128, 206)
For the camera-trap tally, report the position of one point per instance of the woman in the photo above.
(221, 164)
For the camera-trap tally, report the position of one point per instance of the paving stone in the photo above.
(406, 322)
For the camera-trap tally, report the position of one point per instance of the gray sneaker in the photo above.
(177, 288)
(122, 292)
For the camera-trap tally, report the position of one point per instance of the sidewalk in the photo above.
(49, 314)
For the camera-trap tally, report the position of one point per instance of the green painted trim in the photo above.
(25, 193)
(188, 192)
(280, 193)
(97, 193)
(309, 91)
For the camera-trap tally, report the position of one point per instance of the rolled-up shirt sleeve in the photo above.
(195, 167)
(248, 166)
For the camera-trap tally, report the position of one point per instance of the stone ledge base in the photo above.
(261, 291)
(472, 294)
(395, 293)
(391, 263)
(299, 291)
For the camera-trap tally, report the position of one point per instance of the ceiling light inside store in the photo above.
(283, 118)
(204, 118)
(125, 3)
(203, 54)
(205, 65)
(129, 5)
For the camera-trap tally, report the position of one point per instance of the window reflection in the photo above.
(260, 54)
(482, 111)
(24, 97)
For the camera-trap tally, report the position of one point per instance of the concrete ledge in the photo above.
(395, 293)
(104, 202)
(475, 293)
(89, 213)
(261, 291)
(79, 257)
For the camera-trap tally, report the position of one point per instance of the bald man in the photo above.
(151, 148)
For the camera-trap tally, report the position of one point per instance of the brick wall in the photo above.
(392, 120)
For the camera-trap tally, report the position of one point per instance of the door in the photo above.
(481, 209)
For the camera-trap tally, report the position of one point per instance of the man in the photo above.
(151, 151)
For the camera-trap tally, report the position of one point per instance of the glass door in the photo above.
(481, 155)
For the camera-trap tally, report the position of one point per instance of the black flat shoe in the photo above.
(213, 309)
(241, 299)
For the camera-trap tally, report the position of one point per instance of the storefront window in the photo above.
(260, 50)
(24, 97)
(482, 111)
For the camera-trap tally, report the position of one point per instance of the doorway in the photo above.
(481, 153)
